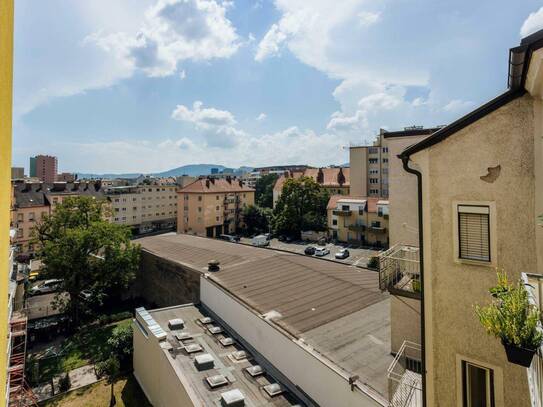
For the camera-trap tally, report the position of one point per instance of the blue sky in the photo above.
(148, 85)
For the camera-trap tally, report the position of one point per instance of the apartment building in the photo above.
(144, 207)
(370, 165)
(268, 327)
(17, 172)
(479, 194)
(336, 180)
(253, 176)
(32, 201)
(44, 167)
(358, 220)
(212, 206)
(66, 177)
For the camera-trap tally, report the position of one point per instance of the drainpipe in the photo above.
(405, 162)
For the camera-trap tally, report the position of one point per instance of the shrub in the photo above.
(373, 263)
(511, 317)
(64, 383)
(416, 286)
(121, 344)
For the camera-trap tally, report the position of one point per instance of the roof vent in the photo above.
(233, 398)
(216, 381)
(204, 362)
(274, 389)
(213, 265)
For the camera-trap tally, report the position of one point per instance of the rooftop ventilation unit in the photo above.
(193, 348)
(226, 341)
(213, 329)
(239, 355)
(204, 362)
(206, 320)
(233, 398)
(175, 324)
(213, 265)
(216, 381)
(274, 389)
(255, 370)
(183, 336)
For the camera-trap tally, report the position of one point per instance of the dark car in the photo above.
(309, 250)
(342, 254)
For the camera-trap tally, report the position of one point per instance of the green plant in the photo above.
(373, 263)
(503, 286)
(120, 343)
(64, 383)
(415, 284)
(511, 317)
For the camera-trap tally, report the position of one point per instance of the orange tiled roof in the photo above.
(207, 185)
(329, 178)
(371, 201)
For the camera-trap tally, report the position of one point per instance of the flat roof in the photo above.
(336, 307)
(224, 362)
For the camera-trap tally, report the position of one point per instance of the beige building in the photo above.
(211, 206)
(479, 195)
(336, 180)
(371, 165)
(358, 220)
(144, 208)
(17, 172)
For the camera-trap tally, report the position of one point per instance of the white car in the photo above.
(322, 251)
(46, 286)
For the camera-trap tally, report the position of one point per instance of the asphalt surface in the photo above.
(358, 257)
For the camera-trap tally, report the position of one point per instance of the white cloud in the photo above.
(261, 116)
(203, 118)
(182, 74)
(458, 106)
(368, 18)
(533, 23)
(174, 31)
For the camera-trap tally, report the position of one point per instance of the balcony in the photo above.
(341, 212)
(404, 377)
(377, 229)
(357, 227)
(534, 286)
(399, 271)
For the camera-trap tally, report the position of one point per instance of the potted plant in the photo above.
(511, 318)
(503, 285)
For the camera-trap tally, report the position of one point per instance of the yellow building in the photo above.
(358, 220)
(211, 207)
(480, 192)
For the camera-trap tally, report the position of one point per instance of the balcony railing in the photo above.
(404, 377)
(534, 286)
(341, 212)
(399, 271)
(357, 227)
(377, 229)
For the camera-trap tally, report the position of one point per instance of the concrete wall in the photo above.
(155, 374)
(451, 173)
(404, 321)
(358, 161)
(323, 384)
(166, 283)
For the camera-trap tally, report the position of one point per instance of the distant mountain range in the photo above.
(192, 170)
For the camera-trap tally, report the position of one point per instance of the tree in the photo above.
(109, 368)
(301, 206)
(256, 219)
(120, 344)
(79, 246)
(264, 190)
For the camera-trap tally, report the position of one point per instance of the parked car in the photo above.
(46, 286)
(230, 238)
(260, 241)
(268, 236)
(309, 250)
(322, 251)
(342, 254)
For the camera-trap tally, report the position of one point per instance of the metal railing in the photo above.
(534, 286)
(404, 377)
(399, 270)
(341, 212)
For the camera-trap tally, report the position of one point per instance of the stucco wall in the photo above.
(404, 321)
(358, 161)
(326, 386)
(451, 172)
(166, 283)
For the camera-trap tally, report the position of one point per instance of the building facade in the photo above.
(358, 220)
(336, 180)
(44, 167)
(17, 172)
(211, 207)
(145, 207)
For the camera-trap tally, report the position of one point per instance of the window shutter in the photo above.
(474, 232)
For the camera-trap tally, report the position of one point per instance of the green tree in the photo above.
(264, 190)
(109, 368)
(301, 206)
(79, 246)
(120, 344)
(256, 219)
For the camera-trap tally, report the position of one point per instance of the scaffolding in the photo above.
(20, 393)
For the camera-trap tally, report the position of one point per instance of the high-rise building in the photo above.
(44, 167)
(17, 172)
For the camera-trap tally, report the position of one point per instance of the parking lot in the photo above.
(358, 256)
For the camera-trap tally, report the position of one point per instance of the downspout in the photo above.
(405, 162)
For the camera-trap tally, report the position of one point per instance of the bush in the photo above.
(108, 319)
(373, 263)
(64, 383)
(511, 317)
(108, 368)
(121, 344)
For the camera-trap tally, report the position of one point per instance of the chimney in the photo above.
(213, 265)
(320, 176)
(340, 177)
(207, 182)
(240, 183)
(228, 179)
(212, 179)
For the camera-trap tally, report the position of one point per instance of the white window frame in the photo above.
(493, 237)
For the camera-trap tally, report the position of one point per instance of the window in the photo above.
(344, 207)
(374, 180)
(373, 160)
(217, 197)
(20, 217)
(474, 232)
(385, 160)
(31, 216)
(19, 233)
(217, 208)
(374, 150)
(199, 209)
(334, 222)
(385, 149)
(477, 385)
(199, 197)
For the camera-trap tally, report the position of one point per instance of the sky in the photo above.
(149, 85)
